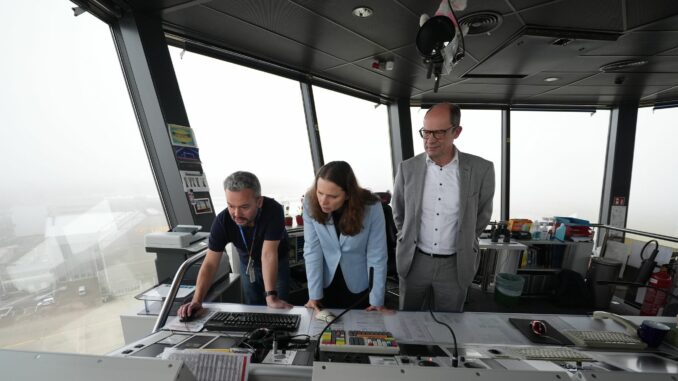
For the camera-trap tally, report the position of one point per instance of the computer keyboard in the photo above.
(604, 339)
(551, 354)
(248, 321)
(359, 342)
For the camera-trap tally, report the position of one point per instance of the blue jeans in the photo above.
(254, 292)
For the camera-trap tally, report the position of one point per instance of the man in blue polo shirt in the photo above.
(256, 226)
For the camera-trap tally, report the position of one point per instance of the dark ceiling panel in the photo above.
(660, 64)
(607, 90)
(639, 44)
(530, 54)
(482, 45)
(461, 98)
(563, 99)
(473, 6)
(403, 71)
(672, 52)
(301, 25)
(481, 88)
(229, 31)
(564, 78)
(667, 23)
(578, 14)
(641, 12)
(148, 5)
(412, 55)
(429, 7)
(321, 38)
(630, 79)
(522, 4)
(368, 80)
(418, 7)
(391, 25)
(668, 95)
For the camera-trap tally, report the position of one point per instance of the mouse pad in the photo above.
(552, 336)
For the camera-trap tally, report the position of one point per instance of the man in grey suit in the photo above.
(442, 201)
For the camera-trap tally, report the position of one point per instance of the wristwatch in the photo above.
(271, 293)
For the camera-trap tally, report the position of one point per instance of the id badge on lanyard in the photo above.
(250, 261)
(250, 270)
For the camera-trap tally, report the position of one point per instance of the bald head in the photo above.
(453, 112)
(441, 128)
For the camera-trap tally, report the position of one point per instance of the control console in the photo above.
(372, 342)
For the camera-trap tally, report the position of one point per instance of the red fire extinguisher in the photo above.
(655, 299)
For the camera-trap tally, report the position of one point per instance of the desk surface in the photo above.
(473, 330)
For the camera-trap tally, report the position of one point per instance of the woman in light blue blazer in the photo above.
(344, 236)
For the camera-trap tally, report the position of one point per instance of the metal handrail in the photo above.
(174, 288)
(637, 232)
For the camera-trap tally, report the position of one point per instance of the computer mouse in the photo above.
(325, 315)
(196, 314)
(427, 363)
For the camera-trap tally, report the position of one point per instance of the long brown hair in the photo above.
(340, 173)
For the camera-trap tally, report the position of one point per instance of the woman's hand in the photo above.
(314, 304)
(379, 308)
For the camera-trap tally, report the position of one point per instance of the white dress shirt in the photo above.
(440, 208)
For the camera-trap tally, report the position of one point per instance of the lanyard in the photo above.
(242, 234)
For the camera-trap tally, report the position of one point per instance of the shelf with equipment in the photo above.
(541, 262)
(298, 288)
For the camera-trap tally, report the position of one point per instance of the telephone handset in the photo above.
(630, 327)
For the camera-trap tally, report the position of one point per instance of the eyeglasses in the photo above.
(538, 327)
(438, 134)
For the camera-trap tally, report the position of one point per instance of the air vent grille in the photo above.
(481, 22)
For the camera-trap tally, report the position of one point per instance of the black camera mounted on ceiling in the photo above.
(440, 41)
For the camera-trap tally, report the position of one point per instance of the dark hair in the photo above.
(455, 113)
(340, 173)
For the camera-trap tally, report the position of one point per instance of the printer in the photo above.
(181, 236)
(174, 247)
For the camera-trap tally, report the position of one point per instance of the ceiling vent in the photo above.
(481, 22)
(622, 65)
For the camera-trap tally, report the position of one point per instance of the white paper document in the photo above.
(212, 366)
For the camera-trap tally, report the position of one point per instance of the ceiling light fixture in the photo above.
(362, 12)
(622, 65)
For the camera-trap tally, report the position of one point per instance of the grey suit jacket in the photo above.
(476, 190)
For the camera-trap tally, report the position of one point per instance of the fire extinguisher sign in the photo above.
(619, 201)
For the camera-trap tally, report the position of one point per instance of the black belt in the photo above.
(435, 255)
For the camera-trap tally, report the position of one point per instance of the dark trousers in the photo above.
(254, 292)
(337, 294)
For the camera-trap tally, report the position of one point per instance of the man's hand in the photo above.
(189, 309)
(314, 304)
(274, 302)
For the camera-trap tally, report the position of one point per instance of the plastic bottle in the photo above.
(547, 228)
(535, 230)
(545, 235)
